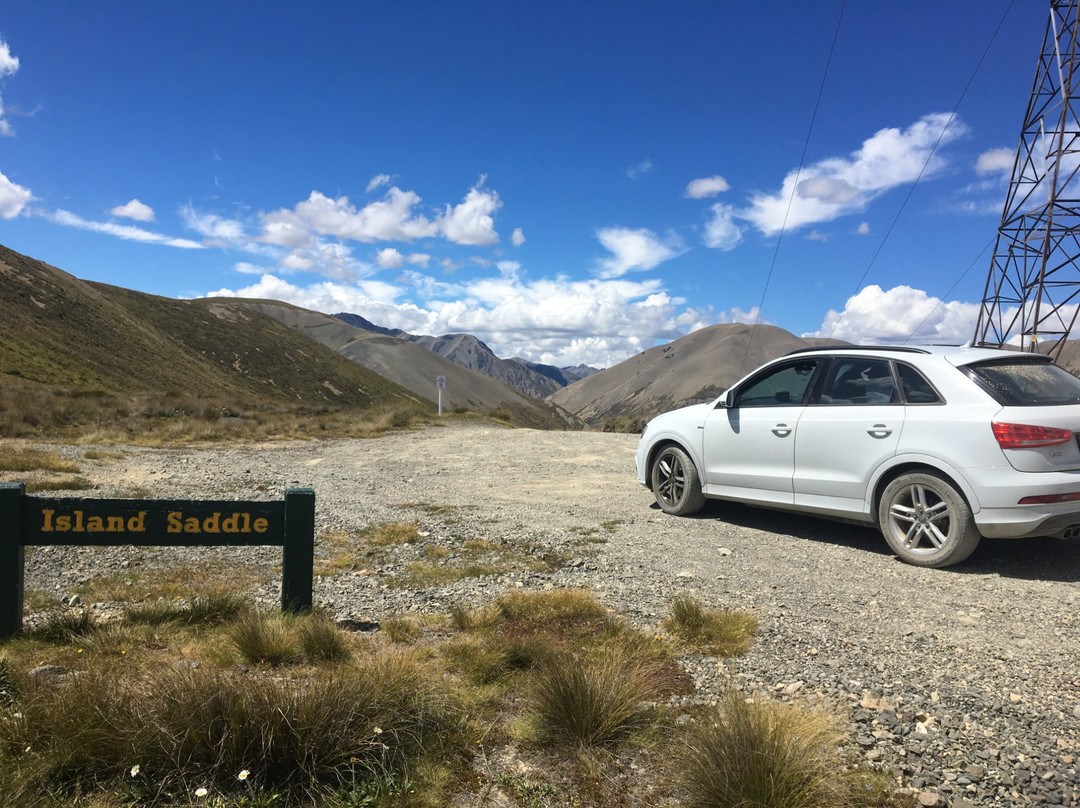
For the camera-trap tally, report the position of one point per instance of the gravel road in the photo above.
(966, 680)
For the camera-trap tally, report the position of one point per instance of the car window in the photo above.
(1018, 383)
(783, 387)
(917, 390)
(859, 380)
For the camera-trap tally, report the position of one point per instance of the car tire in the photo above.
(675, 482)
(926, 521)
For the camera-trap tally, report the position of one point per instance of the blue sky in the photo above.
(572, 182)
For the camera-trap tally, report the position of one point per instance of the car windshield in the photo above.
(1015, 383)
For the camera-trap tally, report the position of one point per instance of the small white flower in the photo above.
(378, 730)
(243, 775)
(135, 770)
(201, 792)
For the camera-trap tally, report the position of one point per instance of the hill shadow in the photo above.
(1037, 559)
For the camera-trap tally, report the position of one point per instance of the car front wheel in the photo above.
(675, 482)
(926, 521)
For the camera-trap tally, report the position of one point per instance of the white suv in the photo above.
(938, 445)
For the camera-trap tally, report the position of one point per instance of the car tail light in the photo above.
(1025, 436)
(1049, 499)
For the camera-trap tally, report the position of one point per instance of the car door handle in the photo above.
(879, 431)
(781, 430)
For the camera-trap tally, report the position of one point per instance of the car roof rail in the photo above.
(847, 348)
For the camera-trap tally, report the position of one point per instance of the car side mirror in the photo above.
(726, 400)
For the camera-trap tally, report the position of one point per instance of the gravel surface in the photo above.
(964, 680)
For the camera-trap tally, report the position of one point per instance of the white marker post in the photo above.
(440, 382)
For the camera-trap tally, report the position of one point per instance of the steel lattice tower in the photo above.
(1034, 283)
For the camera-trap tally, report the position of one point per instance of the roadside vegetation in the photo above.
(536, 699)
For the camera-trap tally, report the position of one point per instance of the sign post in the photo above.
(440, 382)
(42, 521)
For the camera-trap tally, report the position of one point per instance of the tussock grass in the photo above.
(316, 722)
(723, 632)
(214, 608)
(266, 639)
(24, 458)
(322, 641)
(391, 533)
(592, 702)
(298, 739)
(771, 753)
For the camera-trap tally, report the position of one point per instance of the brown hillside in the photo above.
(696, 367)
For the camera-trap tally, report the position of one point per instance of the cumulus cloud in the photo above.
(552, 320)
(843, 185)
(13, 198)
(863, 229)
(134, 210)
(897, 315)
(389, 219)
(9, 65)
(390, 258)
(721, 230)
(124, 231)
(705, 187)
(635, 250)
(517, 238)
(995, 161)
(471, 222)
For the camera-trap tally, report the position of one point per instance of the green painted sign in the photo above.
(27, 521)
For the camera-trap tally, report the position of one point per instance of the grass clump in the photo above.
(24, 458)
(593, 702)
(723, 632)
(322, 641)
(211, 609)
(771, 754)
(392, 533)
(264, 639)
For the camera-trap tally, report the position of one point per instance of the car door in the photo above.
(847, 432)
(749, 446)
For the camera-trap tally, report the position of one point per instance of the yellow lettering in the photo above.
(95, 524)
(172, 521)
(47, 527)
(137, 524)
(231, 524)
(211, 524)
(79, 522)
(191, 525)
(114, 524)
(63, 524)
(261, 525)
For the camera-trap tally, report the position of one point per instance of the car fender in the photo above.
(925, 461)
(680, 438)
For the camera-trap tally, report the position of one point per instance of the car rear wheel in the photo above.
(675, 482)
(926, 521)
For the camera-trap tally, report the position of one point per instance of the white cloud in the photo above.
(390, 219)
(644, 167)
(9, 65)
(217, 230)
(390, 258)
(995, 161)
(842, 185)
(863, 229)
(471, 222)
(124, 231)
(419, 259)
(517, 238)
(721, 230)
(377, 181)
(134, 210)
(13, 198)
(900, 314)
(635, 250)
(553, 320)
(705, 187)
(815, 235)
